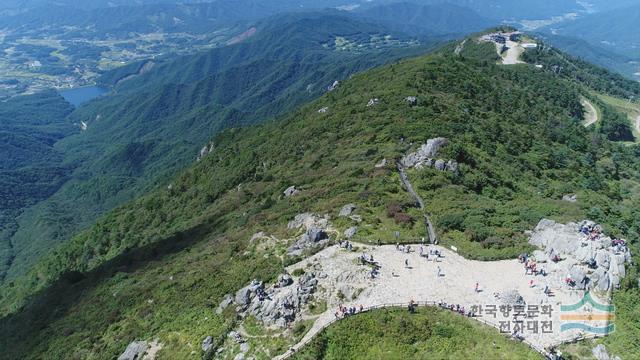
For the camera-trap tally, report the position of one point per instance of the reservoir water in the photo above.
(81, 95)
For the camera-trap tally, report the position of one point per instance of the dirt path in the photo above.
(398, 283)
(512, 56)
(591, 115)
(427, 221)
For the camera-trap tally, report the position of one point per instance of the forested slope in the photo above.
(159, 265)
(156, 123)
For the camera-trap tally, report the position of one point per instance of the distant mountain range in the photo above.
(155, 123)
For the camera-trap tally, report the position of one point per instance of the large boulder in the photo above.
(411, 100)
(134, 351)
(424, 156)
(562, 239)
(350, 232)
(347, 210)
(226, 301)
(315, 235)
(600, 353)
(440, 165)
(207, 344)
(290, 191)
(601, 280)
(284, 280)
(246, 294)
(578, 275)
(603, 259)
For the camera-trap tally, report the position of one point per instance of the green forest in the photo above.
(158, 265)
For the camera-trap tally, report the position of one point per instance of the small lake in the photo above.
(81, 95)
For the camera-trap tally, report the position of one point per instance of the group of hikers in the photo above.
(531, 268)
(458, 309)
(344, 244)
(433, 253)
(344, 311)
(592, 231)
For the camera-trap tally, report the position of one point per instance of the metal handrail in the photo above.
(303, 343)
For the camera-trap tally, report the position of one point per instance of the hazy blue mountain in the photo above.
(616, 30)
(427, 19)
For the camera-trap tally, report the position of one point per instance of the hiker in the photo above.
(546, 290)
(477, 290)
(406, 263)
(531, 284)
(361, 308)
(371, 258)
(439, 271)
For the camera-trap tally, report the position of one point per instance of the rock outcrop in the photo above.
(373, 102)
(333, 86)
(570, 198)
(315, 235)
(350, 232)
(411, 100)
(279, 304)
(382, 164)
(205, 151)
(134, 351)
(588, 257)
(426, 157)
(323, 110)
(347, 210)
(291, 191)
(226, 301)
(207, 344)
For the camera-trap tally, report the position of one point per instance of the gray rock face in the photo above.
(207, 344)
(323, 110)
(205, 151)
(382, 164)
(291, 191)
(425, 157)
(600, 353)
(284, 280)
(315, 235)
(373, 102)
(134, 351)
(246, 294)
(279, 305)
(411, 100)
(333, 86)
(583, 253)
(347, 210)
(452, 166)
(570, 198)
(226, 301)
(350, 232)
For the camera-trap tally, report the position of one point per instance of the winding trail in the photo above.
(427, 222)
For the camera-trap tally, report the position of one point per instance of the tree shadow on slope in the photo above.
(56, 301)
